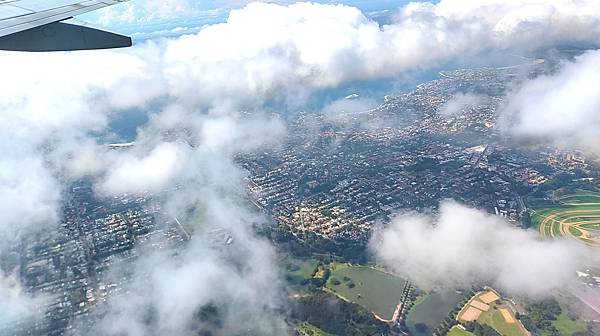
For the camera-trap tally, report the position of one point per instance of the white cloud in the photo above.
(239, 279)
(563, 107)
(146, 10)
(50, 104)
(15, 305)
(463, 246)
(348, 106)
(525, 23)
(150, 173)
(28, 197)
(53, 104)
(169, 291)
(171, 286)
(457, 103)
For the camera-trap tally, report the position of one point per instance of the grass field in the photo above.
(308, 268)
(567, 326)
(299, 269)
(581, 196)
(577, 216)
(307, 329)
(564, 324)
(456, 331)
(494, 319)
(373, 289)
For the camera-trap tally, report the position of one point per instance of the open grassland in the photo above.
(578, 217)
(377, 291)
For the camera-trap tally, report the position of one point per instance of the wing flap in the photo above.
(8, 11)
(21, 15)
(44, 5)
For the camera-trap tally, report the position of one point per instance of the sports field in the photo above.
(488, 308)
(377, 291)
(576, 216)
(502, 320)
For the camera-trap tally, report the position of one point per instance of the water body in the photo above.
(123, 128)
(424, 317)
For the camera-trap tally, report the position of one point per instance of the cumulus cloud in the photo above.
(459, 102)
(312, 45)
(146, 10)
(149, 173)
(156, 11)
(462, 246)
(15, 305)
(233, 276)
(29, 198)
(167, 293)
(562, 107)
(347, 111)
(349, 105)
(514, 23)
(193, 90)
(51, 105)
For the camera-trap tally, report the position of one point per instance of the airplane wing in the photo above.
(38, 25)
